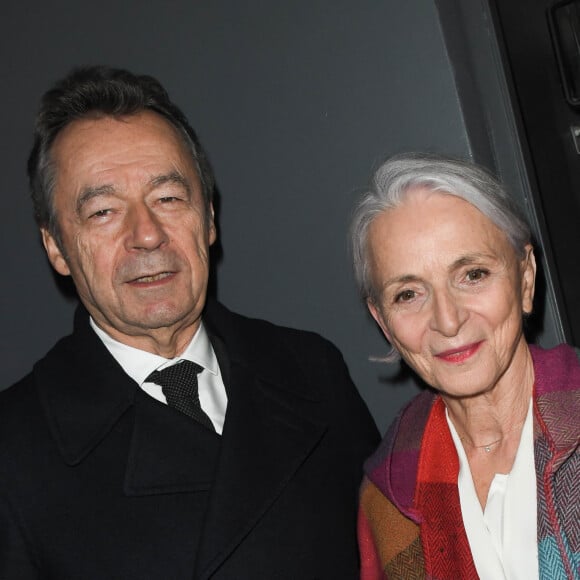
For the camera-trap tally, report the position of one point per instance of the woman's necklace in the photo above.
(487, 447)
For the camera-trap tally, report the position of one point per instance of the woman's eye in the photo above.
(405, 296)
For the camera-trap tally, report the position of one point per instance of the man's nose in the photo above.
(144, 229)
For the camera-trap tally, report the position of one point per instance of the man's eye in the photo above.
(405, 296)
(169, 199)
(476, 275)
(100, 213)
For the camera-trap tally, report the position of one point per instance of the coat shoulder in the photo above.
(299, 361)
(275, 351)
(263, 333)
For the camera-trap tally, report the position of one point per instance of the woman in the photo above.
(478, 476)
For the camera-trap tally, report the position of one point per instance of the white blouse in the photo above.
(503, 537)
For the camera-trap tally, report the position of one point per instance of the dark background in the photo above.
(296, 102)
(548, 120)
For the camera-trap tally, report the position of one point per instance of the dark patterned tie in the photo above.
(179, 385)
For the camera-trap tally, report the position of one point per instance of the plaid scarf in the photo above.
(410, 522)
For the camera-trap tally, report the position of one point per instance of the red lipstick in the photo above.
(461, 354)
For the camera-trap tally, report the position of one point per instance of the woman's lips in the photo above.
(459, 355)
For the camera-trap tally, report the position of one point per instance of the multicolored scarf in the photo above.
(410, 522)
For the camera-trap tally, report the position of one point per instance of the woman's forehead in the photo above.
(431, 225)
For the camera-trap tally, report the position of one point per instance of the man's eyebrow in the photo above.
(89, 193)
(173, 177)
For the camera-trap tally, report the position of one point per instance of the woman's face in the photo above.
(451, 292)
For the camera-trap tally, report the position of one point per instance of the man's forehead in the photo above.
(101, 155)
(145, 136)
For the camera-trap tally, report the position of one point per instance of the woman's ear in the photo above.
(378, 316)
(528, 270)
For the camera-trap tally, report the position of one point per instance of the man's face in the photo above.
(135, 237)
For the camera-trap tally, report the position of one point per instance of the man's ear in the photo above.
(528, 279)
(377, 315)
(211, 230)
(54, 253)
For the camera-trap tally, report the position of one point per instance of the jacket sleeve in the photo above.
(370, 563)
(389, 543)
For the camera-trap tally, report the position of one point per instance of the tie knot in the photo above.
(180, 379)
(179, 385)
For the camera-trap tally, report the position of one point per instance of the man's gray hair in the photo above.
(447, 175)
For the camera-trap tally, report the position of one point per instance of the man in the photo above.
(110, 469)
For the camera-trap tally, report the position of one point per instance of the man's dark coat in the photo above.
(100, 481)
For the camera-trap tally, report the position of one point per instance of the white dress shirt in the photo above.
(503, 537)
(139, 364)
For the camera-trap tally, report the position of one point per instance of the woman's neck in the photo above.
(485, 420)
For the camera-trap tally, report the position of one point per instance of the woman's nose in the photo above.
(448, 314)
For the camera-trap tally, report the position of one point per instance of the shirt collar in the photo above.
(139, 364)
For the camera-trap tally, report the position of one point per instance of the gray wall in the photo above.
(296, 102)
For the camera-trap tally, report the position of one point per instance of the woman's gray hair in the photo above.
(463, 179)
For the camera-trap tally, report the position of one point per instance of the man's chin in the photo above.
(160, 318)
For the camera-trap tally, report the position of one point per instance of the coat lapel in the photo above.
(268, 434)
(273, 423)
(83, 390)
